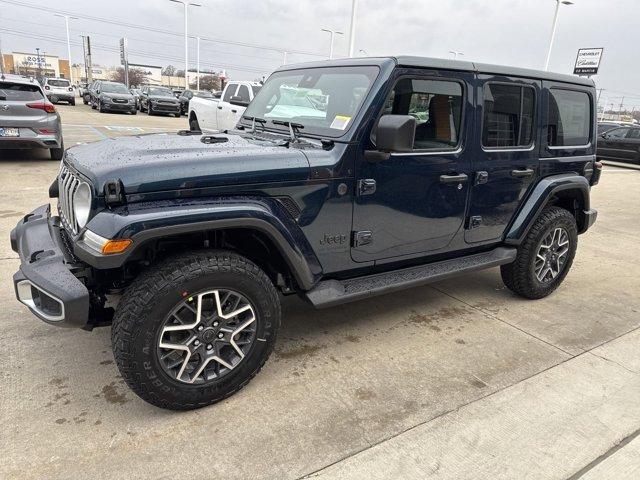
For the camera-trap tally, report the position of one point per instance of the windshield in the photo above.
(323, 100)
(58, 83)
(114, 88)
(160, 92)
(203, 94)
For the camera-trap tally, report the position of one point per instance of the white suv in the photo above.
(58, 89)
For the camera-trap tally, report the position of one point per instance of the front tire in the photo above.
(195, 328)
(545, 256)
(194, 126)
(57, 153)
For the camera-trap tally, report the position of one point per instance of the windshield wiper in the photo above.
(253, 121)
(293, 128)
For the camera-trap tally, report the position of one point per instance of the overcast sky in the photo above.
(509, 32)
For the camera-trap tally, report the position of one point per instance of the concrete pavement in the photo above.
(456, 380)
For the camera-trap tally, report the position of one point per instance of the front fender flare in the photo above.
(539, 199)
(154, 220)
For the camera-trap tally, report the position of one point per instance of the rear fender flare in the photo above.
(540, 197)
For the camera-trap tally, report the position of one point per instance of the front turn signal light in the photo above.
(116, 246)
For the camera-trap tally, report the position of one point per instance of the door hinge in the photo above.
(366, 186)
(475, 221)
(362, 238)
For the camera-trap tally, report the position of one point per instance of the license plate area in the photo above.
(9, 132)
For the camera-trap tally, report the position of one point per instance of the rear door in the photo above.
(632, 144)
(225, 116)
(414, 203)
(506, 155)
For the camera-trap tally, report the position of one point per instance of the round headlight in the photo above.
(82, 204)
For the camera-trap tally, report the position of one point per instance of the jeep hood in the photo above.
(162, 162)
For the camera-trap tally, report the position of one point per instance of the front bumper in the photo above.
(119, 107)
(56, 97)
(46, 282)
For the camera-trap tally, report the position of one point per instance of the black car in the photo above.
(343, 180)
(621, 143)
(159, 100)
(113, 97)
(606, 126)
(188, 95)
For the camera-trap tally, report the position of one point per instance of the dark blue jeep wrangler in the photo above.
(343, 180)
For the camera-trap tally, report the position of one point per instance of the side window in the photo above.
(569, 122)
(634, 133)
(617, 133)
(243, 93)
(437, 107)
(508, 116)
(230, 92)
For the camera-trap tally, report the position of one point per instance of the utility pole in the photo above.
(620, 111)
(456, 54)
(284, 58)
(352, 27)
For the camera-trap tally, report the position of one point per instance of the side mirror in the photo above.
(239, 101)
(394, 133)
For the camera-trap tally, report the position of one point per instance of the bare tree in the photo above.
(136, 76)
(208, 82)
(169, 71)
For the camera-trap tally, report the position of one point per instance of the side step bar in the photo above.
(334, 292)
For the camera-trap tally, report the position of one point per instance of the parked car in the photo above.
(212, 115)
(158, 100)
(606, 126)
(27, 118)
(136, 94)
(621, 143)
(345, 179)
(58, 89)
(86, 93)
(113, 97)
(188, 95)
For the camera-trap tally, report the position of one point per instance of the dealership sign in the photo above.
(588, 61)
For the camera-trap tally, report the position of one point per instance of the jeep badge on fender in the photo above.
(369, 175)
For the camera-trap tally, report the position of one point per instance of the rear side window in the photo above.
(230, 92)
(634, 133)
(569, 123)
(19, 92)
(508, 116)
(437, 107)
(243, 93)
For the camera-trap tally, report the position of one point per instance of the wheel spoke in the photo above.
(236, 332)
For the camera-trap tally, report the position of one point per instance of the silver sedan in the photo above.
(27, 118)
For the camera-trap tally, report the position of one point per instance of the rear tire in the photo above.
(543, 258)
(72, 102)
(57, 153)
(159, 310)
(194, 126)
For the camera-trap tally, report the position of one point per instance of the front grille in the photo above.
(68, 183)
(120, 100)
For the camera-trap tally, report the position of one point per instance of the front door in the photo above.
(612, 143)
(414, 203)
(506, 155)
(632, 144)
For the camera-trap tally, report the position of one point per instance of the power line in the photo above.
(159, 30)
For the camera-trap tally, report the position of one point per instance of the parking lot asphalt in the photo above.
(460, 379)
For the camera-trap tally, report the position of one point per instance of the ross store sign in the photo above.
(588, 61)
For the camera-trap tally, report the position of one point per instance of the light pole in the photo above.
(186, 4)
(456, 54)
(553, 29)
(284, 58)
(352, 27)
(332, 32)
(198, 64)
(66, 23)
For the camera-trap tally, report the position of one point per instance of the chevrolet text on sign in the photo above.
(588, 61)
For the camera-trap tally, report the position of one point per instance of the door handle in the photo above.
(234, 111)
(455, 178)
(527, 172)
(219, 108)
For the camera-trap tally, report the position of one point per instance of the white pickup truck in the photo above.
(211, 115)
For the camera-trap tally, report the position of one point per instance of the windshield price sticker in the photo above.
(340, 122)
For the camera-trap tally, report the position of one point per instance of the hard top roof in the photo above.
(445, 64)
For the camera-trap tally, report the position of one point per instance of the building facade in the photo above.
(36, 65)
